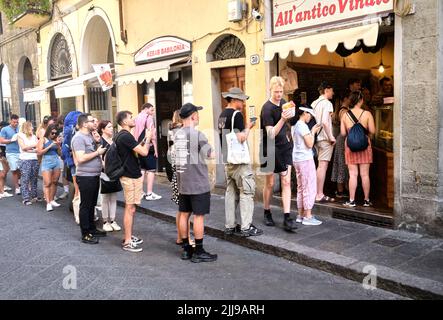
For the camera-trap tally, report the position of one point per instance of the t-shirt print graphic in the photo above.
(181, 150)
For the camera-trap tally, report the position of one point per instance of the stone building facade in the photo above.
(19, 61)
(419, 166)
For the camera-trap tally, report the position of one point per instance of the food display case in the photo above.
(384, 125)
(383, 166)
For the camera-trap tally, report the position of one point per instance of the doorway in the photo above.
(229, 78)
(168, 96)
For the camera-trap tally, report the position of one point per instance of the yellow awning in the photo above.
(349, 36)
(147, 72)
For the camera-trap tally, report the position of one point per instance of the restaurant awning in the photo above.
(331, 39)
(39, 93)
(74, 87)
(147, 72)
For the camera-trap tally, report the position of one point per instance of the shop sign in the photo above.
(104, 76)
(295, 15)
(162, 48)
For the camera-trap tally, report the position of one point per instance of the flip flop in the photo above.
(325, 199)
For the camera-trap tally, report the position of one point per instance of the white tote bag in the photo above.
(238, 153)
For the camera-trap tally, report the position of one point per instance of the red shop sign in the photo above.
(162, 48)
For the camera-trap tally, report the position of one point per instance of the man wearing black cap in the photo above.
(324, 109)
(191, 151)
(240, 182)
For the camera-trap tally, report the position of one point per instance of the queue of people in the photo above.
(290, 136)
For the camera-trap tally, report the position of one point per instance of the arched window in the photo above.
(228, 47)
(61, 65)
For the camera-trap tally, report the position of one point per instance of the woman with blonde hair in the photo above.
(27, 142)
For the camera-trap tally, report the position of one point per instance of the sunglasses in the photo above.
(53, 133)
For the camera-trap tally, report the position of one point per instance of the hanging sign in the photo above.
(162, 48)
(295, 15)
(104, 75)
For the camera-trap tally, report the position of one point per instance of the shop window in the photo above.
(6, 111)
(97, 99)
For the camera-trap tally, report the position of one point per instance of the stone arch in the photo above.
(93, 48)
(25, 80)
(5, 93)
(226, 46)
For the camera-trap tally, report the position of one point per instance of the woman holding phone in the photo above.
(108, 189)
(49, 147)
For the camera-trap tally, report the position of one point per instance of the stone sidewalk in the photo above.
(405, 263)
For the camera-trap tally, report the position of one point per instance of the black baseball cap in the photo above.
(187, 109)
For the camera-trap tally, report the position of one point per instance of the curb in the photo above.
(387, 279)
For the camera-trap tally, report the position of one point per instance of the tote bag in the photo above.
(238, 153)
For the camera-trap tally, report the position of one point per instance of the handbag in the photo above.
(238, 153)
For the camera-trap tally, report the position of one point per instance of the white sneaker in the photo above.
(99, 208)
(49, 207)
(17, 191)
(299, 219)
(107, 227)
(115, 226)
(311, 222)
(63, 196)
(6, 195)
(153, 196)
(6, 188)
(55, 204)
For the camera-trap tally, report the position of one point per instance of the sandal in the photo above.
(325, 199)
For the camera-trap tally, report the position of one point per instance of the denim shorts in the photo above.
(13, 161)
(50, 162)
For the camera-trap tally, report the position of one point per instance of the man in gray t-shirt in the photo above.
(191, 151)
(87, 158)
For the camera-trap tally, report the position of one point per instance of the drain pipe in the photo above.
(123, 33)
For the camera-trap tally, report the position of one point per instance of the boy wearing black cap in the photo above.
(191, 151)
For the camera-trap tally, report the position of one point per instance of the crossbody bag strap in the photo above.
(352, 117)
(116, 138)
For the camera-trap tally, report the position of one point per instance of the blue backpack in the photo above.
(69, 132)
(357, 137)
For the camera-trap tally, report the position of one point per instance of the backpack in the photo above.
(114, 166)
(357, 139)
(68, 133)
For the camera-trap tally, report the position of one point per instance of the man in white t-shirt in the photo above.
(324, 109)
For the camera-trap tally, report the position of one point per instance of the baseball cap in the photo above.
(308, 109)
(235, 93)
(187, 109)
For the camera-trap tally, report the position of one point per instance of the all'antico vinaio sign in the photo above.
(162, 48)
(295, 15)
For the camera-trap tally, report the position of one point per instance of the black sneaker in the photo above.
(268, 221)
(289, 224)
(187, 252)
(203, 256)
(231, 231)
(98, 233)
(89, 239)
(350, 203)
(367, 203)
(252, 231)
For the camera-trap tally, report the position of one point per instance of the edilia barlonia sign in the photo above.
(161, 49)
(295, 15)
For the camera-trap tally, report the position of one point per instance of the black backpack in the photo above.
(357, 137)
(114, 166)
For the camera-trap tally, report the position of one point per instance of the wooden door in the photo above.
(232, 77)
